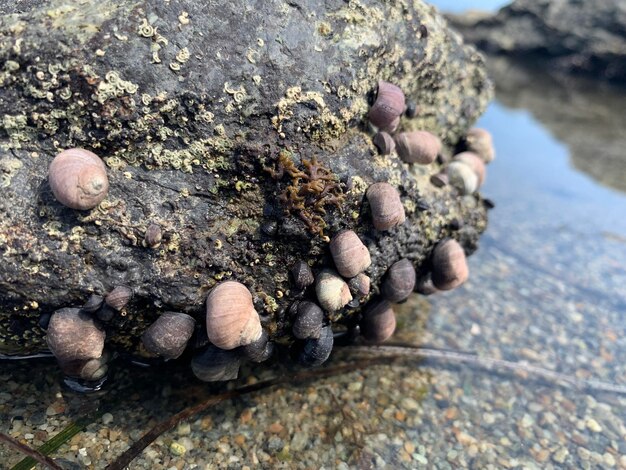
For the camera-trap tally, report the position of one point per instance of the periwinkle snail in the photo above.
(74, 335)
(449, 265)
(399, 281)
(349, 253)
(474, 162)
(384, 143)
(480, 141)
(168, 335)
(359, 285)
(462, 177)
(119, 297)
(332, 291)
(153, 236)
(302, 275)
(231, 320)
(90, 369)
(317, 350)
(386, 206)
(78, 179)
(420, 147)
(215, 364)
(259, 350)
(389, 105)
(309, 320)
(378, 322)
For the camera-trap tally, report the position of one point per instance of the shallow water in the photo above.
(546, 287)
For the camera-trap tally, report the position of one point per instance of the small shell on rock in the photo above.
(168, 335)
(106, 313)
(231, 320)
(474, 162)
(332, 291)
(389, 105)
(424, 285)
(216, 365)
(449, 265)
(93, 303)
(378, 322)
(399, 281)
(386, 206)
(350, 255)
(74, 335)
(359, 285)
(302, 275)
(317, 350)
(440, 179)
(384, 143)
(153, 235)
(462, 177)
(480, 141)
(90, 369)
(308, 323)
(259, 350)
(420, 147)
(119, 297)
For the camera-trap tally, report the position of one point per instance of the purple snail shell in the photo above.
(74, 335)
(153, 235)
(389, 105)
(169, 334)
(462, 177)
(350, 255)
(216, 365)
(449, 265)
(78, 179)
(359, 285)
(480, 142)
(332, 291)
(119, 297)
(420, 147)
(399, 281)
(309, 320)
(94, 302)
(424, 285)
(378, 322)
(317, 350)
(384, 143)
(231, 320)
(474, 162)
(386, 206)
(440, 179)
(259, 350)
(302, 275)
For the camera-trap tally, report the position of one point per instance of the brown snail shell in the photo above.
(317, 350)
(78, 179)
(386, 206)
(302, 275)
(399, 281)
(378, 322)
(231, 320)
(384, 143)
(449, 265)
(440, 179)
(389, 105)
(153, 235)
(462, 177)
(90, 369)
(74, 335)
(119, 297)
(259, 350)
(93, 303)
(474, 162)
(420, 147)
(332, 291)
(424, 285)
(359, 285)
(169, 334)
(480, 142)
(309, 321)
(216, 365)
(350, 255)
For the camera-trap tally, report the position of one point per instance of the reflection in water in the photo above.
(587, 116)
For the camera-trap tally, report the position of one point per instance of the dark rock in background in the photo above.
(194, 107)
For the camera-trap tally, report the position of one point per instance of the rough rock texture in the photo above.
(201, 111)
(570, 35)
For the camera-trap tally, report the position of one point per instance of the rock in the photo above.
(200, 125)
(571, 36)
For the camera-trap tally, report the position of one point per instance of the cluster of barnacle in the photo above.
(310, 190)
(233, 327)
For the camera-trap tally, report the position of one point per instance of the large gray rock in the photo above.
(573, 36)
(197, 107)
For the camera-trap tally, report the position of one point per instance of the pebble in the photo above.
(107, 418)
(608, 459)
(560, 455)
(593, 425)
(177, 449)
(183, 429)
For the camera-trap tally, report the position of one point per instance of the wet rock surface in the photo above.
(200, 113)
(568, 35)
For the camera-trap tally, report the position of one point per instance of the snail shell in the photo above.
(424, 285)
(216, 365)
(231, 320)
(168, 335)
(259, 350)
(449, 265)
(440, 179)
(379, 321)
(302, 275)
(119, 297)
(349, 253)
(309, 321)
(474, 162)
(317, 350)
(90, 369)
(418, 147)
(462, 177)
(388, 107)
(93, 303)
(78, 179)
(384, 143)
(153, 236)
(74, 335)
(480, 142)
(359, 285)
(399, 281)
(386, 206)
(332, 291)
